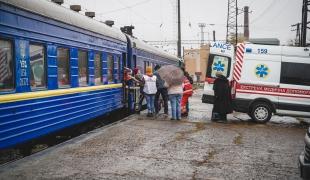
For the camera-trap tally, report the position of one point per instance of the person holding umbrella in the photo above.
(173, 77)
(161, 90)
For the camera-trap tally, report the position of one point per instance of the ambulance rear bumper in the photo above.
(241, 105)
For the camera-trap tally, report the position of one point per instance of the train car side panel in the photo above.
(52, 67)
(24, 120)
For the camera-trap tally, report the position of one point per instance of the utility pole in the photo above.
(246, 32)
(298, 37)
(202, 26)
(179, 30)
(213, 35)
(304, 22)
(232, 22)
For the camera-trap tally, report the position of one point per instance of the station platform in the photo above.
(139, 147)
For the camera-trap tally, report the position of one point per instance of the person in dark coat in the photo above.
(161, 90)
(222, 98)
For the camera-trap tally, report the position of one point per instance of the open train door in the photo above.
(129, 63)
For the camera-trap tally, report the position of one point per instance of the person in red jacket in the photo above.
(187, 92)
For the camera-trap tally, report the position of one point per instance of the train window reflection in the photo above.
(110, 68)
(6, 66)
(98, 69)
(83, 68)
(37, 64)
(63, 67)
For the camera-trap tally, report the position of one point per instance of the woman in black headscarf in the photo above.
(222, 98)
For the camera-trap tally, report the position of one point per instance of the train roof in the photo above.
(139, 44)
(68, 16)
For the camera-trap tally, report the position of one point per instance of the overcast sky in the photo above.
(155, 20)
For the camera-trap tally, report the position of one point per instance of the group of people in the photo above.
(153, 86)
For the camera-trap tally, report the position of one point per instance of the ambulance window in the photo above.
(295, 73)
(218, 63)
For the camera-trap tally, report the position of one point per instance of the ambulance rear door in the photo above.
(221, 59)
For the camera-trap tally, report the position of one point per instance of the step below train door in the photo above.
(220, 60)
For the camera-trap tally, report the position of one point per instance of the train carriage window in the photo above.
(98, 69)
(6, 65)
(37, 66)
(63, 67)
(124, 60)
(119, 68)
(110, 67)
(135, 60)
(83, 68)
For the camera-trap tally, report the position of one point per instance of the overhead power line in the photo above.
(126, 7)
(263, 13)
(173, 42)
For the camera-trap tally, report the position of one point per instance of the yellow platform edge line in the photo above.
(50, 93)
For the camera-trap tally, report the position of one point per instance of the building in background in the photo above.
(196, 62)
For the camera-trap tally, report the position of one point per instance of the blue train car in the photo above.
(144, 55)
(59, 68)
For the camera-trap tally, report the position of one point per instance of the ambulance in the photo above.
(265, 79)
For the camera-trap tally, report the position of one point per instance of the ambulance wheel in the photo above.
(261, 112)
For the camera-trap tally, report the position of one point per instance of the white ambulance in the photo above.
(265, 79)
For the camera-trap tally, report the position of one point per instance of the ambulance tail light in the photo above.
(233, 89)
(209, 80)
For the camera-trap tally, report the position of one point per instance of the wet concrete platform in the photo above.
(157, 148)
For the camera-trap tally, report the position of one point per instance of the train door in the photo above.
(125, 90)
(128, 84)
